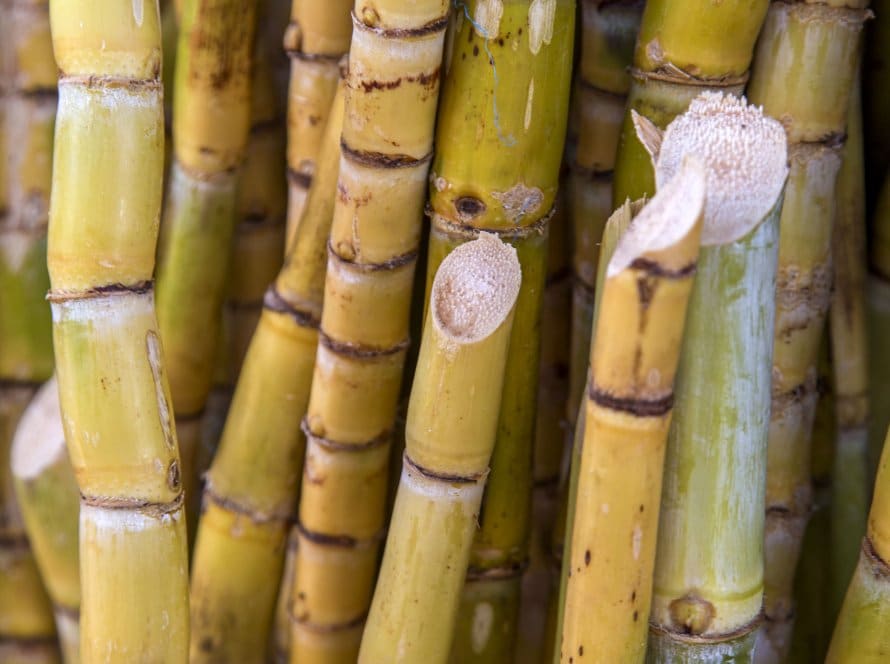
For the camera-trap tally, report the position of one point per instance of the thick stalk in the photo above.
(851, 480)
(684, 47)
(450, 434)
(211, 118)
(628, 411)
(47, 493)
(117, 414)
(509, 73)
(27, 82)
(803, 75)
(708, 586)
(391, 92)
(616, 225)
(316, 38)
(253, 482)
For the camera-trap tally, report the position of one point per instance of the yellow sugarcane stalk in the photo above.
(803, 75)
(628, 410)
(708, 584)
(391, 92)
(684, 47)
(211, 120)
(27, 84)
(316, 38)
(252, 485)
(116, 406)
(450, 434)
(49, 499)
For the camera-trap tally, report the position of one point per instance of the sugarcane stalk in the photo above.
(799, 45)
(815, 611)
(450, 435)
(211, 120)
(316, 38)
(509, 74)
(878, 316)
(684, 47)
(392, 88)
(47, 494)
(116, 407)
(27, 84)
(550, 439)
(850, 476)
(252, 485)
(628, 409)
(708, 584)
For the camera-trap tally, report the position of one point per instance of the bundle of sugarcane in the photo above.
(27, 112)
(117, 414)
(708, 582)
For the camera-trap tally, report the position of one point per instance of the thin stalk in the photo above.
(509, 74)
(815, 607)
(47, 493)
(628, 411)
(116, 406)
(851, 480)
(803, 75)
(450, 434)
(211, 119)
(684, 48)
(878, 314)
(252, 485)
(316, 38)
(708, 586)
(391, 92)
(27, 82)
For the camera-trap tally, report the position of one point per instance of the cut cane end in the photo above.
(475, 288)
(746, 156)
(39, 439)
(668, 218)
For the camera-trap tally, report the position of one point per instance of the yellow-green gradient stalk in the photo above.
(211, 120)
(708, 584)
(850, 477)
(252, 485)
(803, 73)
(684, 47)
(505, 102)
(116, 407)
(392, 88)
(450, 434)
(316, 38)
(49, 500)
(27, 83)
(628, 410)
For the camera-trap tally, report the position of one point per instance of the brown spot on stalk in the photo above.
(587, 558)
(469, 207)
(692, 614)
